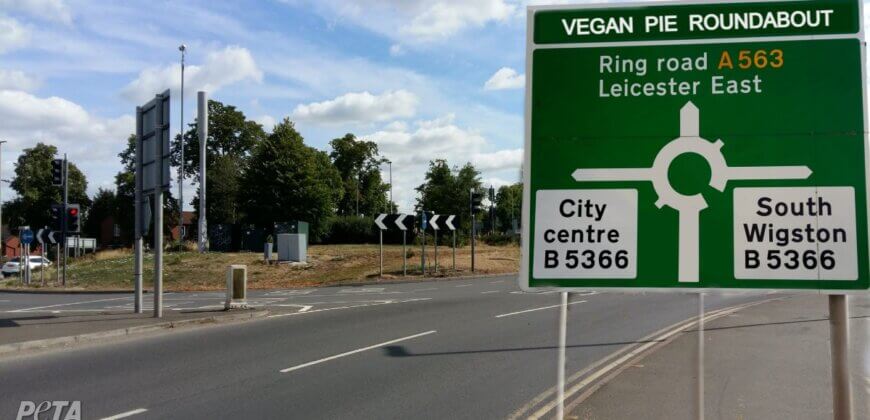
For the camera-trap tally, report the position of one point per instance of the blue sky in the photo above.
(415, 76)
(425, 79)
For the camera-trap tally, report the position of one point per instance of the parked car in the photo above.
(14, 265)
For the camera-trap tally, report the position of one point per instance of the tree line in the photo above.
(257, 178)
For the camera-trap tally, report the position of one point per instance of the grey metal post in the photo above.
(202, 129)
(563, 338)
(158, 251)
(839, 325)
(473, 228)
(436, 251)
(700, 391)
(57, 267)
(381, 271)
(391, 185)
(137, 229)
(65, 216)
(454, 250)
(423, 254)
(404, 254)
(42, 267)
(181, 48)
(1, 201)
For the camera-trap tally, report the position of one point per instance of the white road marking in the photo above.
(496, 282)
(425, 290)
(385, 343)
(537, 309)
(463, 285)
(126, 414)
(67, 304)
(489, 291)
(348, 307)
(363, 290)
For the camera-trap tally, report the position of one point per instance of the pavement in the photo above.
(769, 361)
(459, 349)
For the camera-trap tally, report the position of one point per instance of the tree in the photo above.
(125, 194)
(105, 204)
(447, 193)
(32, 182)
(231, 139)
(509, 205)
(358, 165)
(290, 181)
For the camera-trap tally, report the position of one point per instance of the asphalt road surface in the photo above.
(464, 349)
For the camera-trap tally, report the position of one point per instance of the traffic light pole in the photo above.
(65, 216)
(471, 209)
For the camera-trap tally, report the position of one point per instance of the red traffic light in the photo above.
(73, 212)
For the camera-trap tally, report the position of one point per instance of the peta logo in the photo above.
(55, 410)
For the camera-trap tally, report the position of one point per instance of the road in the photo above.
(464, 349)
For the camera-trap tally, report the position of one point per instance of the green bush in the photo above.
(350, 230)
(498, 239)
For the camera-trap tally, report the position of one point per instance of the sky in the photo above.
(424, 79)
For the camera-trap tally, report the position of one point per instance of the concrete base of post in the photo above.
(237, 287)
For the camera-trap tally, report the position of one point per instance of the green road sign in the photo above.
(696, 145)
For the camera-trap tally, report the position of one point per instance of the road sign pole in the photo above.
(839, 325)
(404, 253)
(202, 129)
(158, 251)
(42, 254)
(454, 250)
(436, 251)
(700, 391)
(423, 253)
(471, 207)
(382, 251)
(563, 336)
(65, 210)
(137, 225)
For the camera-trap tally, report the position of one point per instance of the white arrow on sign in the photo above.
(400, 221)
(380, 221)
(51, 237)
(449, 222)
(433, 220)
(39, 237)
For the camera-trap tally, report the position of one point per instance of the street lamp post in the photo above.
(1, 200)
(183, 49)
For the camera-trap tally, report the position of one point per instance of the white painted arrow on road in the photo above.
(433, 220)
(380, 221)
(449, 222)
(400, 221)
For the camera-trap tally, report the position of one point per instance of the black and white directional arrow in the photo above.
(449, 222)
(40, 238)
(380, 221)
(51, 238)
(434, 221)
(400, 221)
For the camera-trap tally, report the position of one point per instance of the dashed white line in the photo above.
(463, 285)
(385, 343)
(537, 309)
(126, 414)
(489, 291)
(425, 290)
(496, 282)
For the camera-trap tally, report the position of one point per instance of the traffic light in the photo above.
(73, 213)
(57, 172)
(57, 217)
(476, 201)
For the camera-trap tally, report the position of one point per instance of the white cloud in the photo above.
(267, 121)
(52, 10)
(502, 159)
(505, 78)
(411, 148)
(221, 68)
(417, 20)
(89, 140)
(17, 80)
(13, 35)
(359, 108)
